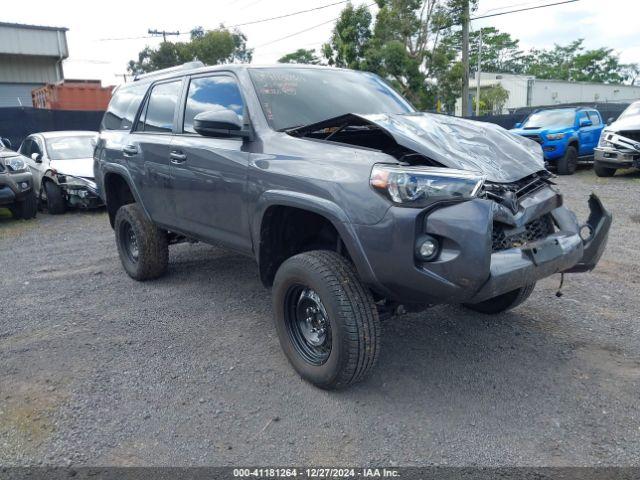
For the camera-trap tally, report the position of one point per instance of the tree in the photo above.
(350, 38)
(301, 56)
(492, 99)
(404, 45)
(573, 62)
(211, 47)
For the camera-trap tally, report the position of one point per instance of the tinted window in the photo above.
(212, 93)
(25, 148)
(595, 118)
(301, 96)
(161, 107)
(123, 107)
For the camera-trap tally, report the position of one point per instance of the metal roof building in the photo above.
(30, 57)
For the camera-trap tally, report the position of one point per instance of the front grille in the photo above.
(505, 237)
(535, 138)
(631, 134)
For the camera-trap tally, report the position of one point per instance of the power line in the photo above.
(164, 33)
(525, 9)
(287, 14)
(303, 31)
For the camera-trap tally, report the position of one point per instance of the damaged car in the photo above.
(16, 184)
(619, 145)
(353, 204)
(62, 167)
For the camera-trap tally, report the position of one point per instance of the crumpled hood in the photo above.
(628, 123)
(6, 153)
(464, 144)
(82, 167)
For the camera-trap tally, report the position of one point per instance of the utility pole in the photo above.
(163, 33)
(478, 73)
(465, 58)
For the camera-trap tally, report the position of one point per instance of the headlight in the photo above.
(555, 136)
(75, 181)
(15, 165)
(420, 186)
(602, 142)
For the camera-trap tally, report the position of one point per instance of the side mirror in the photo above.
(517, 125)
(585, 122)
(36, 157)
(219, 123)
(610, 120)
(6, 142)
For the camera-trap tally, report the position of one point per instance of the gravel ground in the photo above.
(186, 370)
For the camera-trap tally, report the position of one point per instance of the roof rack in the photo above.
(185, 66)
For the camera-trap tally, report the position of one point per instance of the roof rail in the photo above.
(177, 68)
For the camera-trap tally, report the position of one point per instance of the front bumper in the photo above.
(612, 158)
(14, 187)
(466, 269)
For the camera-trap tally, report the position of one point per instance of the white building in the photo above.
(527, 91)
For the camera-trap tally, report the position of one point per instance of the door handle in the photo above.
(130, 150)
(177, 157)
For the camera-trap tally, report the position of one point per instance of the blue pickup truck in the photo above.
(567, 135)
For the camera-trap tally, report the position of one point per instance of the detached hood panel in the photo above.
(464, 144)
(82, 167)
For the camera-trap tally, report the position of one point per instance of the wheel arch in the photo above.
(118, 191)
(319, 216)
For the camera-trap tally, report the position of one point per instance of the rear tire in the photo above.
(602, 171)
(143, 247)
(56, 203)
(326, 319)
(26, 209)
(568, 164)
(503, 302)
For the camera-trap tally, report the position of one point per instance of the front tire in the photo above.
(568, 164)
(143, 247)
(602, 171)
(503, 302)
(56, 203)
(326, 319)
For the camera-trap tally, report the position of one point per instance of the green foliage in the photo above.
(301, 56)
(574, 63)
(492, 99)
(350, 39)
(212, 47)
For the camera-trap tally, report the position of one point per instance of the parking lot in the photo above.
(187, 370)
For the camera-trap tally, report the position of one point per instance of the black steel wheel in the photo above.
(326, 319)
(308, 324)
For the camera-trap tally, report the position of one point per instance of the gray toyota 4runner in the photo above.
(351, 202)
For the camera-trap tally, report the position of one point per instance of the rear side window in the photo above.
(123, 107)
(211, 93)
(161, 107)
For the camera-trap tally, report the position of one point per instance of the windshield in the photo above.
(631, 110)
(292, 97)
(70, 148)
(550, 119)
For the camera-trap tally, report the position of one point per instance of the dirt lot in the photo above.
(100, 370)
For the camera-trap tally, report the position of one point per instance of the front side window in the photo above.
(161, 108)
(595, 118)
(292, 97)
(211, 93)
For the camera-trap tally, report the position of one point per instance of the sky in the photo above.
(93, 26)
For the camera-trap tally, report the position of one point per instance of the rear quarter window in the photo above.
(123, 107)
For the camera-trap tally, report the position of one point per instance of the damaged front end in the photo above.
(619, 150)
(480, 196)
(80, 192)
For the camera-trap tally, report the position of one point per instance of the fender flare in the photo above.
(321, 206)
(121, 171)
